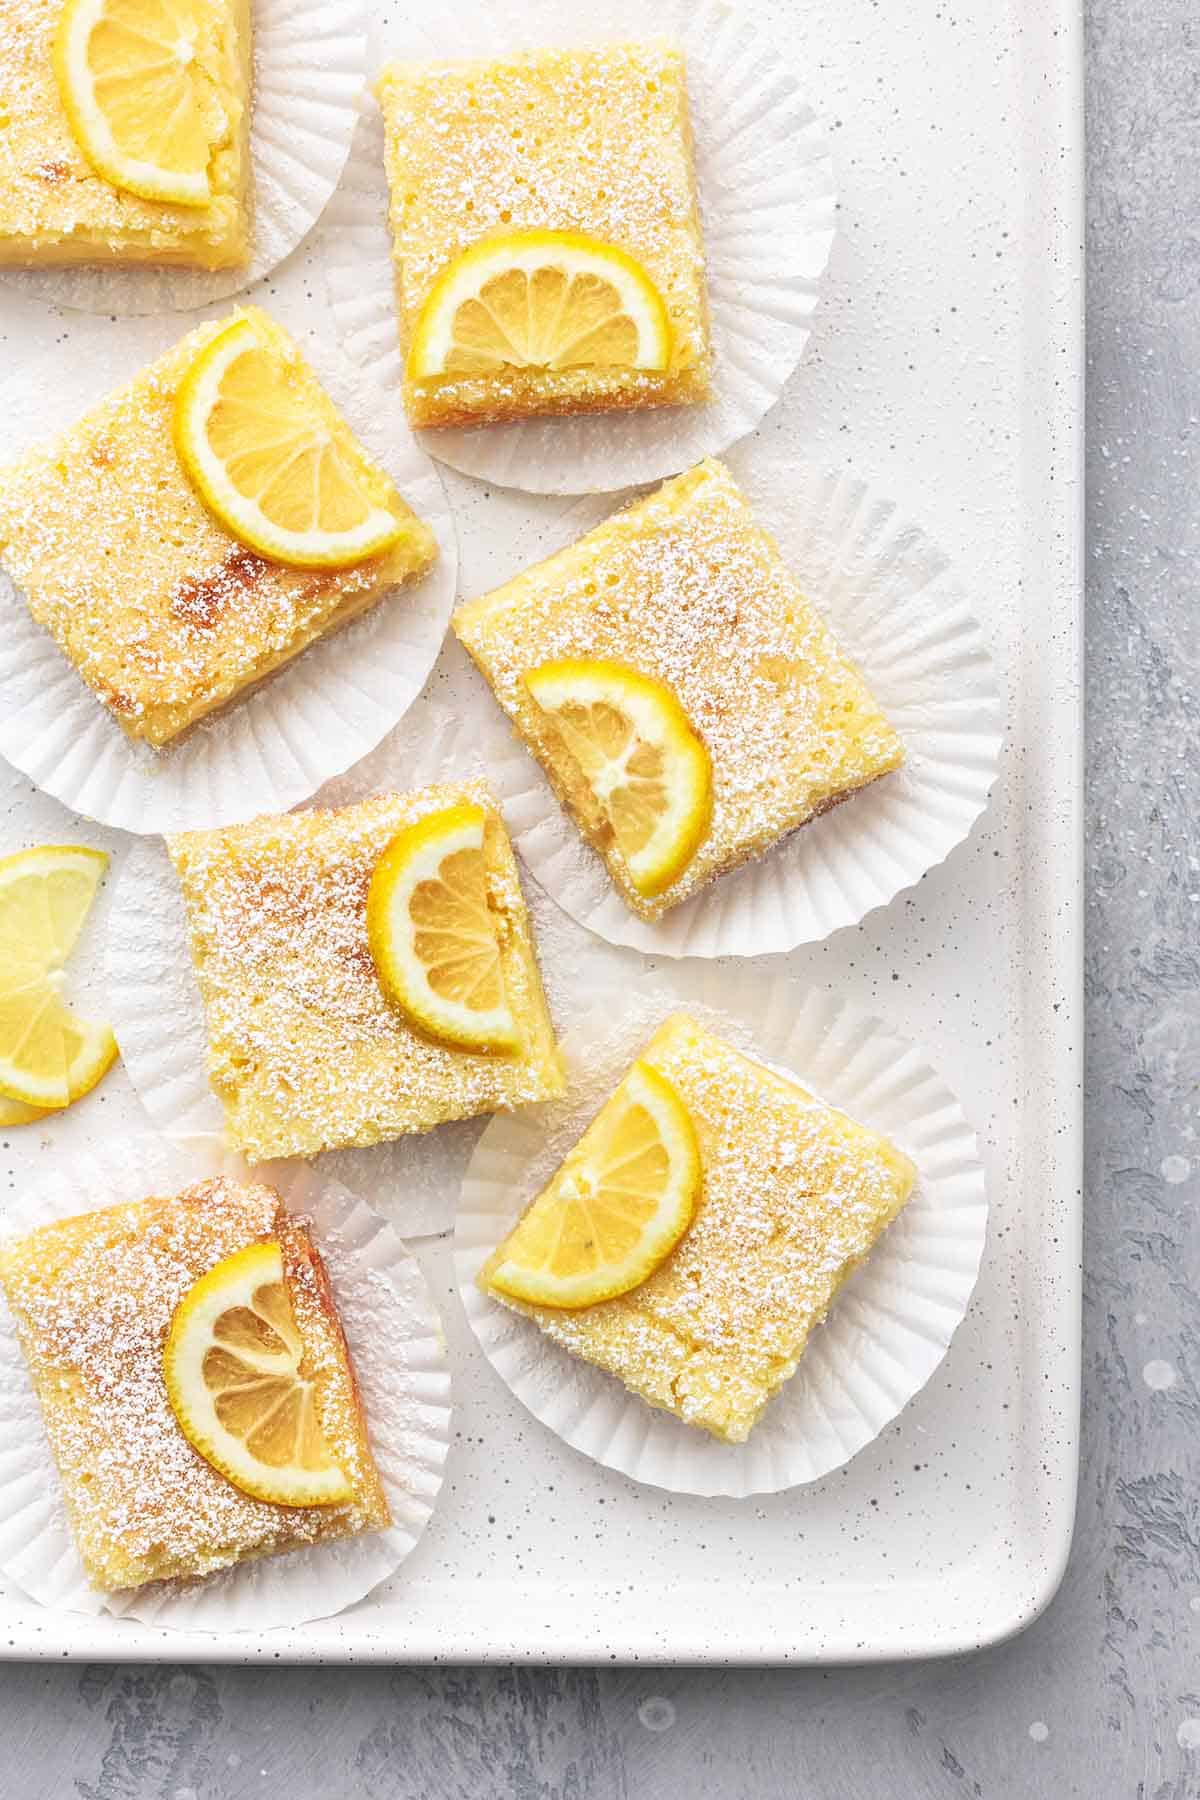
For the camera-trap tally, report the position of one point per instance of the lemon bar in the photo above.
(93, 1299)
(794, 1196)
(166, 615)
(306, 1053)
(56, 209)
(589, 141)
(684, 587)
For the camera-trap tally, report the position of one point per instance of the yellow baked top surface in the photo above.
(795, 1194)
(305, 1051)
(593, 141)
(54, 207)
(93, 1298)
(684, 586)
(165, 615)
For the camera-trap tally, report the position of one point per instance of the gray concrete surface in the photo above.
(1102, 1696)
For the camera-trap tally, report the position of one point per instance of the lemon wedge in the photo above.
(615, 1210)
(649, 771)
(233, 1364)
(136, 79)
(269, 455)
(434, 935)
(48, 1057)
(540, 300)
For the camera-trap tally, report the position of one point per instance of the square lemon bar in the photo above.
(794, 1195)
(306, 1052)
(57, 208)
(93, 1299)
(685, 588)
(164, 613)
(594, 143)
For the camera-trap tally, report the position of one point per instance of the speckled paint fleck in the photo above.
(1098, 1700)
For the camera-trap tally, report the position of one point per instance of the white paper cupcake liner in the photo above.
(766, 185)
(310, 70)
(395, 1338)
(888, 1328)
(898, 609)
(276, 745)
(154, 1005)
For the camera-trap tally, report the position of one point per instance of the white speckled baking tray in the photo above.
(946, 367)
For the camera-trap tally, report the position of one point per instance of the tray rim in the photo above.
(63, 1636)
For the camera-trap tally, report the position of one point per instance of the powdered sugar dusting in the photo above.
(766, 189)
(684, 586)
(306, 1052)
(398, 1350)
(794, 1196)
(893, 1317)
(164, 614)
(93, 1299)
(200, 618)
(309, 72)
(591, 140)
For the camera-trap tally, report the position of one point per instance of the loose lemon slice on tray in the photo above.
(638, 753)
(434, 935)
(136, 78)
(48, 1057)
(276, 467)
(541, 300)
(616, 1209)
(233, 1364)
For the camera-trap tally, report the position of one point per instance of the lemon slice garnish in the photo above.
(269, 455)
(615, 1210)
(540, 300)
(434, 935)
(234, 1368)
(48, 1057)
(637, 752)
(136, 79)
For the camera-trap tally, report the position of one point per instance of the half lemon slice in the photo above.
(137, 83)
(233, 1364)
(435, 936)
(268, 454)
(616, 1209)
(540, 300)
(48, 1057)
(650, 772)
